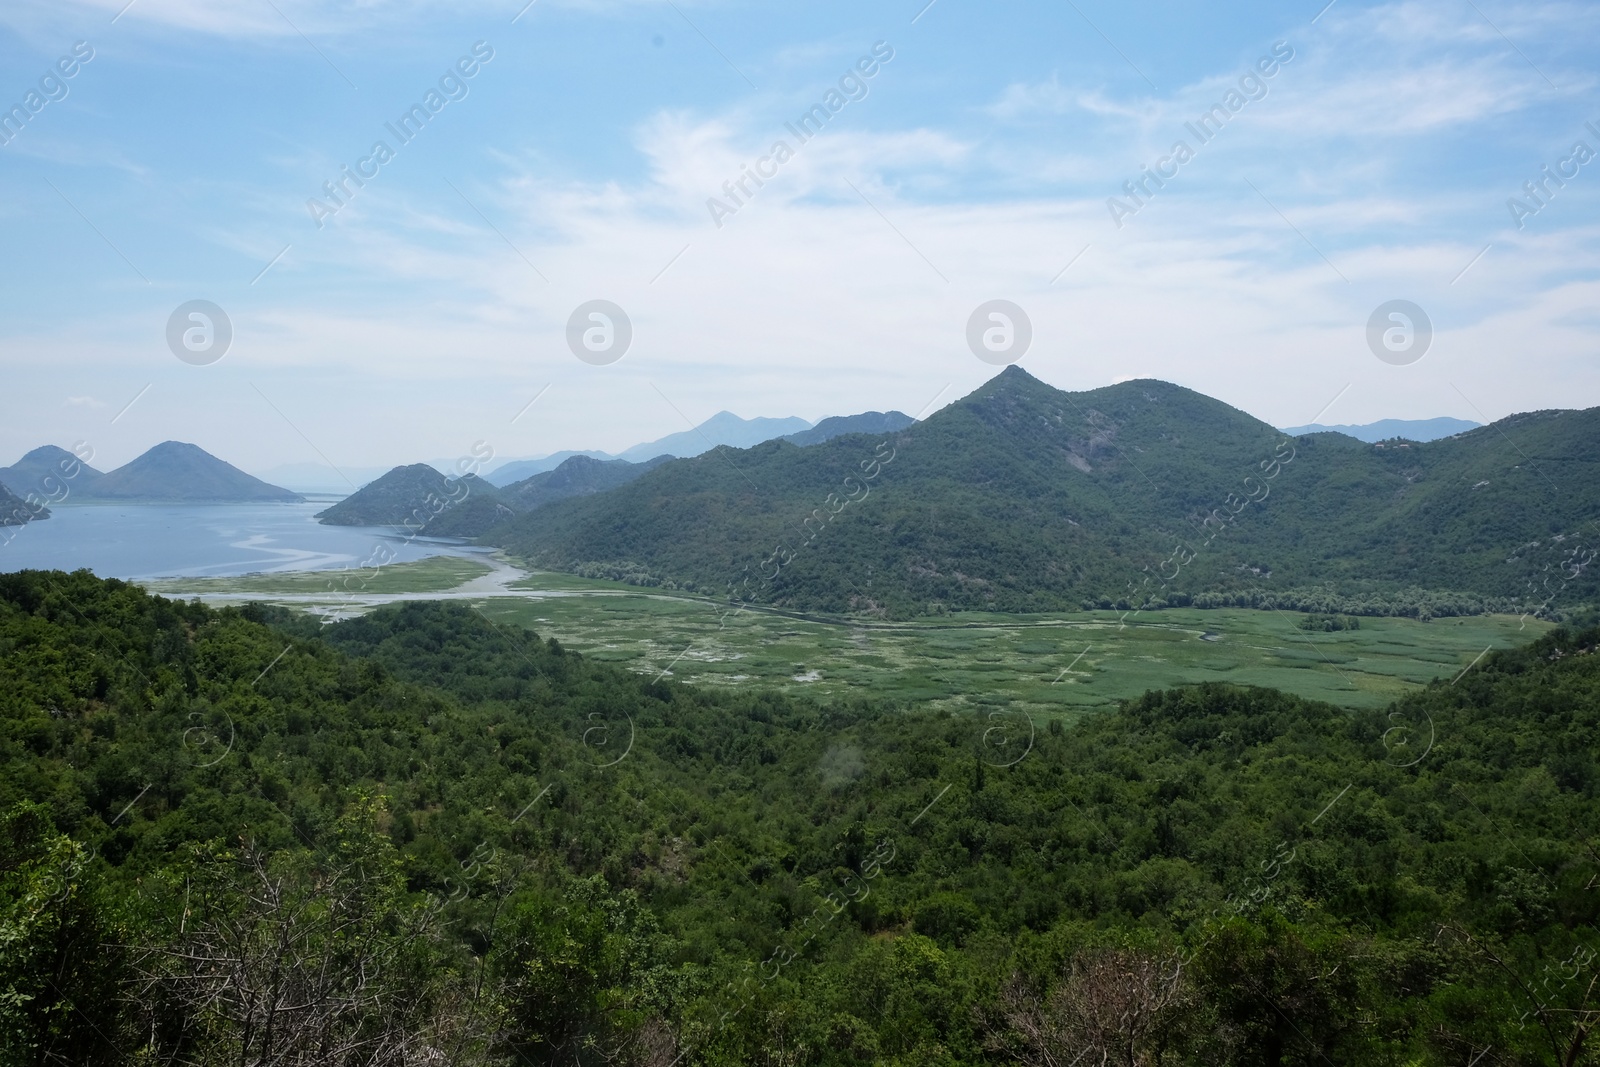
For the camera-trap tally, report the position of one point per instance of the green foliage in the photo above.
(498, 851)
(59, 965)
(586, 968)
(299, 957)
(1329, 623)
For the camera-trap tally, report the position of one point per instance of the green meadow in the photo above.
(436, 574)
(1059, 664)
(1055, 665)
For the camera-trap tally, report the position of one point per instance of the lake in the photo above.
(190, 540)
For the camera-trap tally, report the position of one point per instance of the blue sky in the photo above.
(577, 162)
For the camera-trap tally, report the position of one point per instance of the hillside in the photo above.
(428, 830)
(177, 473)
(1021, 497)
(407, 496)
(50, 473)
(16, 511)
(577, 476)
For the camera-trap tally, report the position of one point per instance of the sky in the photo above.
(592, 150)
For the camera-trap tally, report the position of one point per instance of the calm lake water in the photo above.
(187, 540)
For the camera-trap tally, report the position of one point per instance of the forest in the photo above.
(236, 836)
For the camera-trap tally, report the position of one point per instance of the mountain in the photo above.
(178, 473)
(838, 425)
(407, 496)
(1389, 429)
(48, 472)
(723, 428)
(519, 469)
(577, 476)
(15, 511)
(1021, 497)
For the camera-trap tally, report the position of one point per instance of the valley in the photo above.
(1083, 673)
(1055, 665)
(906, 605)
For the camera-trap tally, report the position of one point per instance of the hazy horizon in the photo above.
(366, 472)
(572, 152)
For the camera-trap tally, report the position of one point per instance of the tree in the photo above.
(58, 977)
(1115, 1006)
(300, 961)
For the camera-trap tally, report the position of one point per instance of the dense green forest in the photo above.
(1025, 498)
(237, 837)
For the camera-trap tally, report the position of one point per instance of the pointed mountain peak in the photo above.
(45, 470)
(179, 472)
(50, 455)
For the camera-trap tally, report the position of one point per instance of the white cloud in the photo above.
(280, 18)
(1022, 101)
(408, 327)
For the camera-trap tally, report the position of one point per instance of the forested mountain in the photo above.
(578, 476)
(1021, 497)
(416, 838)
(412, 495)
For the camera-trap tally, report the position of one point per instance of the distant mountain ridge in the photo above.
(172, 472)
(577, 476)
(518, 469)
(839, 425)
(723, 428)
(1020, 497)
(1388, 429)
